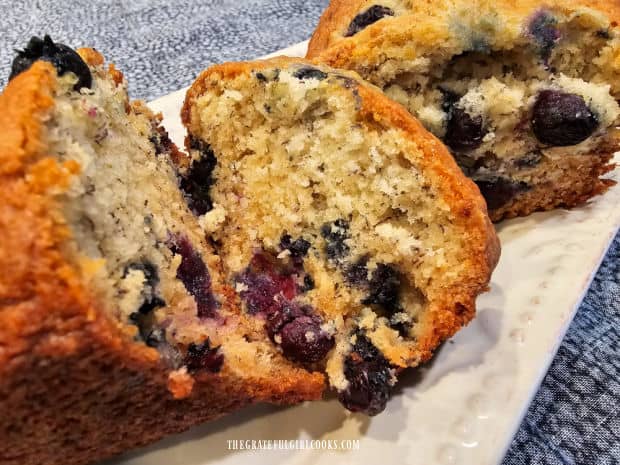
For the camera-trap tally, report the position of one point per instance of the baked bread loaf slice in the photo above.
(524, 93)
(348, 232)
(116, 326)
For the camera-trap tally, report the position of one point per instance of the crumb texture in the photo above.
(329, 222)
(525, 96)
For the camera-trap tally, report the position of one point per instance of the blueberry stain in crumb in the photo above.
(197, 182)
(368, 17)
(384, 288)
(369, 376)
(194, 275)
(544, 30)
(561, 119)
(335, 235)
(61, 56)
(298, 247)
(203, 357)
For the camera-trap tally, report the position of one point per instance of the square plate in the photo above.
(465, 406)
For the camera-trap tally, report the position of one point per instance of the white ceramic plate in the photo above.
(465, 406)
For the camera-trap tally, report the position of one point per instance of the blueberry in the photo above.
(194, 275)
(298, 248)
(463, 132)
(62, 57)
(561, 119)
(335, 235)
(369, 376)
(308, 284)
(299, 333)
(308, 72)
(384, 287)
(203, 357)
(357, 274)
(499, 191)
(151, 280)
(161, 141)
(544, 29)
(368, 17)
(198, 180)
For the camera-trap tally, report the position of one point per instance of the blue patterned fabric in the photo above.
(161, 46)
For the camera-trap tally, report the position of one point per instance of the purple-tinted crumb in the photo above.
(266, 281)
(269, 289)
(544, 30)
(194, 274)
(203, 357)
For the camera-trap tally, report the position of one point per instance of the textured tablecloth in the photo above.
(161, 46)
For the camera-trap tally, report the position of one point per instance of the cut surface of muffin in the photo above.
(525, 95)
(116, 327)
(346, 230)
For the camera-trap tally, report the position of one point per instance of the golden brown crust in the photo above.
(451, 308)
(74, 388)
(338, 15)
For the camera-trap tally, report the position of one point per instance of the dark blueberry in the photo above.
(62, 57)
(561, 119)
(402, 328)
(308, 284)
(151, 277)
(161, 141)
(369, 376)
(203, 357)
(384, 287)
(151, 280)
(195, 276)
(298, 248)
(368, 17)
(197, 182)
(530, 160)
(299, 334)
(308, 72)
(156, 338)
(544, 29)
(265, 279)
(303, 340)
(335, 235)
(261, 77)
(499, 191)
(357, 274)
(463, 132)
(151, 304)
(603, 34)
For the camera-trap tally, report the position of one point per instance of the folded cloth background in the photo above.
(161, 47)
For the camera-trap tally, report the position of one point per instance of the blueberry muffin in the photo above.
(116, 326)
(349, 234)
(523, 93)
